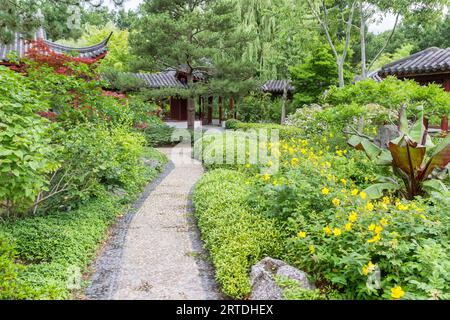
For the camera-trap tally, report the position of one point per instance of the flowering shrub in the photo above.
(363, 248)
(352, 246)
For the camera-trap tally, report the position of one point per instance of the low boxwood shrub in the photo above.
(236, 236)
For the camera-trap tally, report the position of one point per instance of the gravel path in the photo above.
(160, 256)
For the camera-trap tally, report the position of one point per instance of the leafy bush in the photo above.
(260, 108)
(236, 236)
(93, 156)
(54, 247)
(341, 237)
(392, 93)
(26, 153)
(159, 135)
(285, 132)
(232, 124)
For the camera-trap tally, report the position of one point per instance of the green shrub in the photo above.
(51, 247)
(236, 236)
(232, 124)
(261, 107)
(392, 93)
(159, 135)
(94, 157)
(285, 132)
(26, 154)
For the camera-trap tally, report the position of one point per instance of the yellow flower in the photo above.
(302, 234)
(325, 191)
(248, 165)
(303, 151)
(355, 192)
(327, 230)
(378, 229)
(384, 222)
(353, 216)
(336, 202)
(291, 150)
(371, 227)
(339, 153)
(397, 292)
(368, 268)
(348, 226)
(337, 232)
(312, 249)
(266, 177)
(285, 146)
(294, 161)
(269, 145)
(376, 238)
(363, 195)
(343, 181)
(270, 163)
(344, 190)
(386, 200)
(402, 207)
(369, 206)
(275, 183)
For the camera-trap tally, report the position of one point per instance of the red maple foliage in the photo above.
(40, 52)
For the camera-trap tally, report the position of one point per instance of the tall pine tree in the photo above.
(193, 36)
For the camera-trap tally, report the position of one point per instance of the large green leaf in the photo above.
(440, 158)
(434, 185)
(360, 143)
(407, 158)
(376, 190)
(403, 127)
(418, 131)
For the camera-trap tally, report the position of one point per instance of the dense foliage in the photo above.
(236, 237)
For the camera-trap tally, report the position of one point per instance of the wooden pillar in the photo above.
(220, 110)
(447, 84)
(210, 109)
(444, 124)
(232, 108)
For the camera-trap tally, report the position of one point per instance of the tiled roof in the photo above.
(21, 46)
(431, 60)
(166, 79)
(276, 86)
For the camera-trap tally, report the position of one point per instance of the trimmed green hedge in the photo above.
(285, 132)
(236, 236)
(40, 254)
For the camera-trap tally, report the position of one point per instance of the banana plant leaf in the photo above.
(408, 159)
(440, 158)
(370, 148)
(434, 185)
(376, 190)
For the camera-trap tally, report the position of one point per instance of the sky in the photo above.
(387, 23)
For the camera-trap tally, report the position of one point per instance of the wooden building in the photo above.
(431, 65)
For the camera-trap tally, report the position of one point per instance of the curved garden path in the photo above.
(156, 252)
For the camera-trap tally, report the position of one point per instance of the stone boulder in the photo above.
(262, 276)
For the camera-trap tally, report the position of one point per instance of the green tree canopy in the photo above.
(192, 37)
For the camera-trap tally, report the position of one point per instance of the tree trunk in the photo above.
(283, 103)
(190, 105)
(363, 41)
(341, 74)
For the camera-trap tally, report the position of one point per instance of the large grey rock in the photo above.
(385, 134)
(262, 276)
